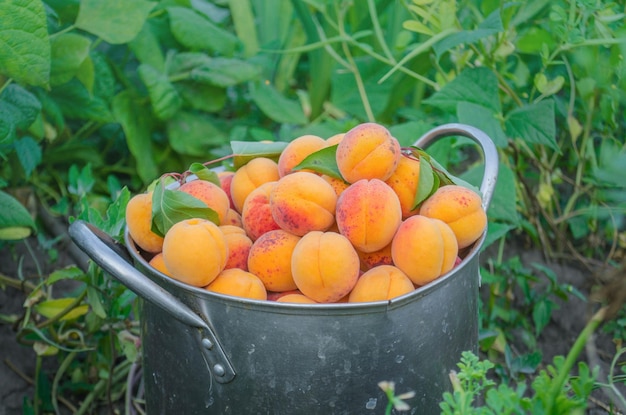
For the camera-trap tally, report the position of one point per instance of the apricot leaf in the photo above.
(323, 161)
(52, 308)
(171, 206)
(427, 182)
(202, 172)
(244, 151)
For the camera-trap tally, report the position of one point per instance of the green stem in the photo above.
(378, 31)
(572, 356)
(37, 399)
(62, 31)
(57, 378)
(5, 85)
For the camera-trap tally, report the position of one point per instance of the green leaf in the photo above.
(204, 173)
(171, 206)
(93, 299)
(202, 97)
(194, 134)
(490, 26)
(195, 32)
(323, 161)
(534, 123)
(484, 119)
(18, 109)
(24, 42)
(136, 125)
(245, 26)
(69, 51)
(71, 272)
(164, 97)
(147, 48)
(86, 74)
(534, 40)
(224, 72)
(75, 102)
(244, 151)
(13, 215)
(52, 308)
(28, 153)
(474, 85)
(426, 185)
(503, 206)
(115, 21)
(542, 311)
(276, 106)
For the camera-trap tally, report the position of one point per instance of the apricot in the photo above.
(195, 251)
(297, 150)
(461, 209)
(404, 182)
(239, 245)
(226, 178)
(373, 259)
(158, 263)
(367, 151)
(381, 283)
(233, 218)
(250, 176)
(270, 260)
(335, 139)
(256, 215)
(139, 223)
(302, 202)
(368, 214)
(337, 184)
(209, 193)
(325, 266)
(422, 249)
(238, 283)
(275, 295)
(295, 298)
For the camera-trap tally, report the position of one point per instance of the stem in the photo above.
(6, 84)
(62, 31)
(571, 357)
(378, 31)
(18, 284)
(37, 400)
(57, 378)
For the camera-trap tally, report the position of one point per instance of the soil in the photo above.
(26, 259)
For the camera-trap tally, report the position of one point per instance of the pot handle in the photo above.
(490, 153)
(111, 257)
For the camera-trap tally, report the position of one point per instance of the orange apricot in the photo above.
(238, 283)
(256, 215)
(226, 178)
(368, 214)
(422, 249)
(367, 151)
(461, 209)
(270, 260)
(302, 202)
(373, 259)
(250, 176)
(139, 223)
(195, 251)
(158, 263)
(325, 266)
(404, 182)
(297, 150)
(233, 218)
(209, 193)
(295, 298)
(238, 246)
(335, 139)
(338, 184)
(381, 283)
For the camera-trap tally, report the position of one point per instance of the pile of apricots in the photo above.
(299, 236)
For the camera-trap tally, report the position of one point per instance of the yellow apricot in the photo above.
(373, 259)
(422, 250)
(381, 283)
(297, 150)
(226, 178)
(461, 209)
(325, 266)
(209, 193)
(158, 263)
(139, 223)
(195, 251)
(302, 202)
(404, 182)
(338, 184)
(238, 246)
(367, 151)
(233, 218)
(256, 214)
(335, 139)
(295, 298)
(238, 283)
(250, 176)
(270, 260)
(368, 213)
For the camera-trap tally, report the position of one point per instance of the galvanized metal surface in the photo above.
(206, 353)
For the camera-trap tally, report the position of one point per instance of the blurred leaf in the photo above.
(115, 21)
(490, 26)
(80, 183)
(86, 74)
(474, 85)
(69, 51)
(323, 161)
(163, 96)
(484, 119)
(224, 72)
(93, 298)
(244, 151)
(147, 48)
(15, 220)
(243, 17)
(75, 102)
(195, 32)
(276, 106)
(202, 97)
(542, 311)
(204, 173)
(71, 272)
(18, 109)
(28, 153)
(52, 308)
(194, 134)
(533, 123)
(24, 42)
(611, 164)
(171, 206)
(44, 349)
(136, 127)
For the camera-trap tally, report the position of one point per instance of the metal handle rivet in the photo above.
(207, 344)
(218, 370)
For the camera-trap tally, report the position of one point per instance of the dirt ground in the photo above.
(17, 362)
